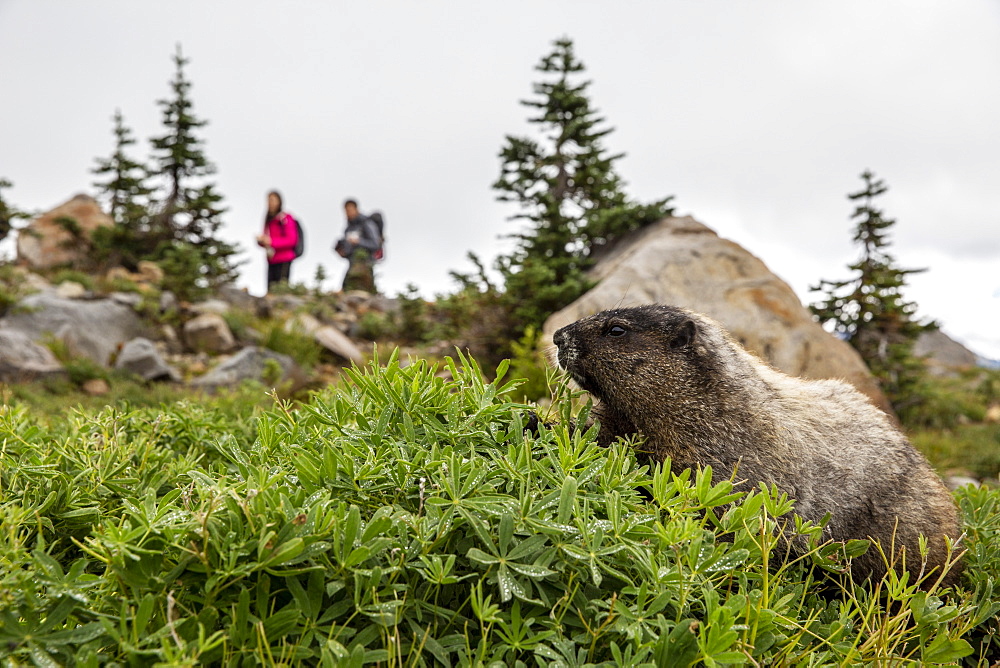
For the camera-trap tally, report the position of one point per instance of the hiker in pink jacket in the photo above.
(280, 239)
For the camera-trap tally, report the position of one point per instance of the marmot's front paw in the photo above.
(531, 423)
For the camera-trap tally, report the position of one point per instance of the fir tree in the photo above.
(568, 191)
(190, 212)
(128, 197)
(8, 213)
(869, 310)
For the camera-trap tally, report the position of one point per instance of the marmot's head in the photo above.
(640, 357)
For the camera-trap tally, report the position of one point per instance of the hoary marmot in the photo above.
(679, 380)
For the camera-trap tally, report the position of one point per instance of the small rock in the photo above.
(239, 298)
(141, 357)
(70, 290)
(130, 299)
(168, 301)
(119, 274)
(249, 364)
(343, 321)
(150, 272)
(287, 302)
(209, 333)
(197, 367)
(170, 338)
(993, 413)
(33, 281)
(96, 387)
(955, 481)
(211, 306)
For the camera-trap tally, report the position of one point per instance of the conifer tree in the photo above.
(8, 213)
(568, 191)
(127, 195)
(189, 215)
(869, 310)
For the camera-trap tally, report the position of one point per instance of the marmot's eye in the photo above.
(617, 330)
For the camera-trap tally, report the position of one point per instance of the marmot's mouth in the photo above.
(585, 382)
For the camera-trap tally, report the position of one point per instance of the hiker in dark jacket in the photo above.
(360, 242)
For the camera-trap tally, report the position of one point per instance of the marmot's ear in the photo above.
(684, 335)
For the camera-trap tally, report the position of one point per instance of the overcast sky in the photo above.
(758, 117)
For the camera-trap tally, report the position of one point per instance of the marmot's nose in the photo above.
(559, 338)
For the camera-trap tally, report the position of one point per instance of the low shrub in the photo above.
(528, 362)
(407, 519)
(375, 325)
(73, 276)
(301, 347)
(970, 448)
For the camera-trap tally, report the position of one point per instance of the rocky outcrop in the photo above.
(681, 262)
(59, 237)
(141, 357)
(23, 360)
(944, 355)
(251, 363)
(92, 328)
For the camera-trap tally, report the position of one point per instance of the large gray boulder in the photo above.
(250, 364)
(141, 357)
(22, 360)
(89, 328)
(681, 262)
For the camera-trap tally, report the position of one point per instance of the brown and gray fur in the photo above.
(676, 378)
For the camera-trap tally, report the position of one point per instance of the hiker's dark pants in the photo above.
(361, 272)
(278, 272)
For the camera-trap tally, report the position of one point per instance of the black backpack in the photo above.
(300, 239)
(376, 217)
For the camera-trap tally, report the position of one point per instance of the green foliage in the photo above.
(12, 287)
(169, 213)
(869, 310)
(243, 324)
(967, 448)
(184, 270)
(8, 212)
(121, 284)
(79, 369)
(298, 345)
(319, 277)
(476, 318)
(129, 198)
(945, 404)
(49, 400)
(190, 211)
(71, 225)
(406, 519)
(568, 191)
(73, 276)
(414, 316)
(989, 387)
(528, 362)
(375, 325)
